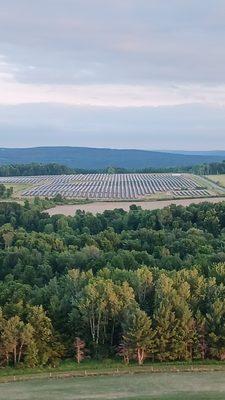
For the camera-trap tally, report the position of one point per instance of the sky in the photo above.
(145, 74)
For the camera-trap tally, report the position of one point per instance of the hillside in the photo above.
(220, 153)
(93, 158)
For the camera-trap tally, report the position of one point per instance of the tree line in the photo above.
(36, 169)
(215, 168)
(137, 285)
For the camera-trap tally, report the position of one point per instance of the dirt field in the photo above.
(160, 386)
(99, 207)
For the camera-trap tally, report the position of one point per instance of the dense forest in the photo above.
(57, 169)
(137, 285)
(34, 169)
(214, 168)
(210, 169)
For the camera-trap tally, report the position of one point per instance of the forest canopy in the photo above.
(137, 285)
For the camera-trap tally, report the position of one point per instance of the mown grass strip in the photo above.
(23, 375)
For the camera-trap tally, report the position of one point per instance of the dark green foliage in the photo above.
(30, 169)
(215, 168)
(5, 192)
(34, 169)
(150, 282)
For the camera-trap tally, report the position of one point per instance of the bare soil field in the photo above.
(100, 207)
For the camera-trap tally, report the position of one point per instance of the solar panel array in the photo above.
(109, 186)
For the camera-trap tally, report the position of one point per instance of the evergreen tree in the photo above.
(138, 336)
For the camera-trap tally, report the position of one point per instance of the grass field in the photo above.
(160, 386)
(17, 188)
(219, 179)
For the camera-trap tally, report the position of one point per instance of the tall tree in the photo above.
(138, 336)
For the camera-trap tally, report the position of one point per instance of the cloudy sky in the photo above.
(144, 74)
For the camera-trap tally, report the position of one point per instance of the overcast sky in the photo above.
(144, 74)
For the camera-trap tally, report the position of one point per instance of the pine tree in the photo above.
(138, 337)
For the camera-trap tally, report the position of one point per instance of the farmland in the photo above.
(218, 179)
(101, 206)
(168, 386)
(114, 186)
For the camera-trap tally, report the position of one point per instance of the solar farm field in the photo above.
(113, 186)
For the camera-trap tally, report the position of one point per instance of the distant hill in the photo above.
(92, 158)
(220, 153)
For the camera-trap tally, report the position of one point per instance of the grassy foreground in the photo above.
(111, 379)
(69, 368)
(160, 386)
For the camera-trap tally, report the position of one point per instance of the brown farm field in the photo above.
(100, 207)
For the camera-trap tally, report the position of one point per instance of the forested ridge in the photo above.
(101, 158)
(137, 285)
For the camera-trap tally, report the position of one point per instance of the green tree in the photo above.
(7, 233)
(43, 333)
(101, 304)
(138, 336)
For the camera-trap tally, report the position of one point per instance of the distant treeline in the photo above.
(58, 169)
(34, 169)
(216, 168)
(210, 169)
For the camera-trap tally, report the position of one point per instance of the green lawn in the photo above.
(160, 386)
